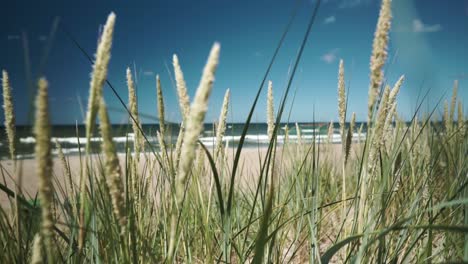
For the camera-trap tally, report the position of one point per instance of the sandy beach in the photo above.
(248, 170)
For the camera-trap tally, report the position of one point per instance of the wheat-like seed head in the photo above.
(184, 101)
(446, 115)
(222, 124)
(341, 99)
(99, 75)
(379, 53)
(112, 166)
(44, 163)
(160, 106)
(195, 121)
(387, 129)
(133, 105)
(461, 119)
(453, 102)
(270, 111)
(9, 114)
(382, 114)
(394, 92)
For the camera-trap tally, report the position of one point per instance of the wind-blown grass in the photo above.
(396, 195)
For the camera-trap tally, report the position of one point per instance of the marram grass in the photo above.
(44, 166)
(402, 200)
(9, 114)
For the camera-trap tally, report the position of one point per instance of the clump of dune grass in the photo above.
(194, 128)
(412, 210)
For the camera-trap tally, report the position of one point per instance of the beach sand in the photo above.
(248, 170)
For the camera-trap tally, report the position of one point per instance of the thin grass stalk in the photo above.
(65, 166)
(330, 133)
(298, 134)
(194, 128)
(44, 166)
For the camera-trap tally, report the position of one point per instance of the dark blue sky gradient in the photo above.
(428, 43)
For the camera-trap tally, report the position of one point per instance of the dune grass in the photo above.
(397, 195)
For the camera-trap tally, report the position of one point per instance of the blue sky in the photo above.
(428, 44)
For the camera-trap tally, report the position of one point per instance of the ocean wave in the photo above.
(263, 139)
(82, 140)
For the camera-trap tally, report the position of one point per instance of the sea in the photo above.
(72, 137)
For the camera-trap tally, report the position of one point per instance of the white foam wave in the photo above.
(263, 139)
(75, 140)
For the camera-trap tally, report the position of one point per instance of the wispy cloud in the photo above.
(329, 20)
(330, 56)
(148, 73)
(460, 76)
(419, 26)
(13, 37)
(258, 53)
(352, 3)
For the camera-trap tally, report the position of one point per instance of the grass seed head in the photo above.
(220, 131)
(270, 111)
(99, 74)
(379, 53)
(341, 98)
(184, 101)
(112, 166)
(44, 163)
(9, 114)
